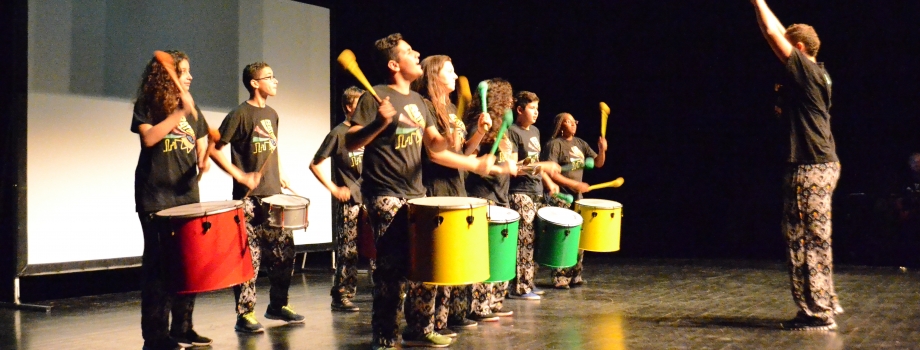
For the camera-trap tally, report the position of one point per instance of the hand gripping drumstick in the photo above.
(615, 183)
(605, 112)
(565, 197)
(350, 63)
(463, 96)
(507, 119)
(587, 164)
(166, 60)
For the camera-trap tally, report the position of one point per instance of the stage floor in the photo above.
(626, 304)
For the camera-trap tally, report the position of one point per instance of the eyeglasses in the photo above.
(270, 77)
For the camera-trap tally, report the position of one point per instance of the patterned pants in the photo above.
(273, 244)
(390, 219)
(345, 283)
(807, 226)
(487, 297)
(156, 301)
(527, 206)
(568, 275)
(451, 305)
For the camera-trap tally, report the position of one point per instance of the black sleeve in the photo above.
(366, 112)
(201, 127)
(795, 67)
(139, 117)
(229, 128)
(327, 148)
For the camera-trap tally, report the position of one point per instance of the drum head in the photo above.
(195, 210)
(502, 215)
(449, 202)
(560, 216)
(598, 203)
(286, 200)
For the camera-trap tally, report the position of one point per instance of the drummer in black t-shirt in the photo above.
(393, 133)
(251, 130)
(565, 148)
(438, 81)
(173, 152)
(812, 169)
(345, 186)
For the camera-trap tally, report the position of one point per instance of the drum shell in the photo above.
(446, 250)
(201, 259)
(291, 217)
(503, 248)
(600, 231)
(556, 243)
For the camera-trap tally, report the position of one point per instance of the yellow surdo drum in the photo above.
(601, 229)
(448, 240)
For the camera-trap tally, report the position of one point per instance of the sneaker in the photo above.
(344, 304)
(537, 291)
(809, 324)
(247, 323)
(168, 344)
(462, 323)
(484, 318)
(447, 332)
(430, 340)
(382, 347)
(528, 296)
(503, 312)
(191, 338)
(285, 313)
(838, 310)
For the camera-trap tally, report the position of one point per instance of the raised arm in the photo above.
(359, 135)
(772, 30)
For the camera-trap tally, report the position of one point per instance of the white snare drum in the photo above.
(287, 211)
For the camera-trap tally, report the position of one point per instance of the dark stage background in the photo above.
(690, 85)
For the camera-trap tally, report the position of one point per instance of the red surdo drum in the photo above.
(208, 248)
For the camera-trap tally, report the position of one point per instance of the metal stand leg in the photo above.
(303, 263)
(20, 306)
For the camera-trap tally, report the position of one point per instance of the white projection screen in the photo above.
(85, 62)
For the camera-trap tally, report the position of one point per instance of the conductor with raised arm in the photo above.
(812, 169)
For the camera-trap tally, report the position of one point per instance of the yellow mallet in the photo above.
(615, 183)
(350, 63)
(605, 112)
(464, 97)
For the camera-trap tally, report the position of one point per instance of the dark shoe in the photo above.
(503, 312)
(430, 340)
(344, 304)
(382, 347)
(285, 313)
(462, 323)
(813, 324)
(247, 323)
(190, 339)
(484, 318)
(447, 332)
(528, 296)
(168, 344)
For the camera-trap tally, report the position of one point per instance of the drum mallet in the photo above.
(507, 119)
(565, 197)
(350, 63)
(615, 183)
(605, 112)
(463, 95)
(166, 60)
(588, 164)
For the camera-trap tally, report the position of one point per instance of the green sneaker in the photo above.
(285, 313)
(430, 340)
(247, 323)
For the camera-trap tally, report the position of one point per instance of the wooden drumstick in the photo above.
(261, 172)
(350, 63)
(463, 95)
(166, 60)
(615, 183)
(605, 112)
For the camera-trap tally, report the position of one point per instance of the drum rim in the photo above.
(613, 205)
(515, 218)
(295, 206)
(580, 220)
(236, 205)
(476, 203)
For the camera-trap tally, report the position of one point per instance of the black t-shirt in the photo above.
(804, 103)
(566, 152)
(440, 180)
(527, 144)
(346, 166)
(166, 174)
(393, 160)
(252, 133)
(492, 187)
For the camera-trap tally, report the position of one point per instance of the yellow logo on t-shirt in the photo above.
(264, 139)
(181, 137)
(412, 134)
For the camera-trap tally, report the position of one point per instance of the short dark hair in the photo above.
(349, 96)
(805, 34)
(524, 98)
(386, 48)
(249, 73)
